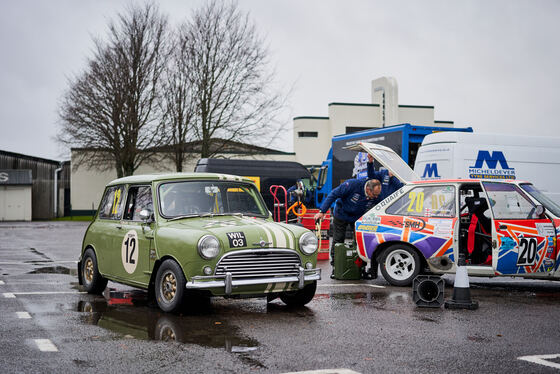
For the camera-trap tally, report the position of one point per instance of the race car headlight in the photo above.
(208, 247)
(308, 243)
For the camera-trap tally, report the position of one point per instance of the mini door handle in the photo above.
(502, 227)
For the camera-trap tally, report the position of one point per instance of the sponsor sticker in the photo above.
(388, 199)
(372, 219)
(545, 229)
(363, 227)
(442, 227)
(416, 225)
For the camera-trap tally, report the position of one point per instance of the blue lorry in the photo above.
(342, 164)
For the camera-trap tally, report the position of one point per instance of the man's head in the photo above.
(372, 188)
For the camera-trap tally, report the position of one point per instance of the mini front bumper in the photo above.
(228, 282)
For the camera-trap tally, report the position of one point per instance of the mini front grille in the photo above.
(259, 263)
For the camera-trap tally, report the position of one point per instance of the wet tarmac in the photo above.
(363, 326)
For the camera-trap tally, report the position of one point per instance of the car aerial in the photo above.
(185, 234)
(501, 227)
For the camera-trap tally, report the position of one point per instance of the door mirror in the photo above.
(539, 210)
(146, 216)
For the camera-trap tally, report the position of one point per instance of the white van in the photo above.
(462, 155)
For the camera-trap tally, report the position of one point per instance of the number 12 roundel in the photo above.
(129, 251)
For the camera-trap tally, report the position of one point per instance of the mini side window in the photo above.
(429, 201)
(111, 206)
(139, 198)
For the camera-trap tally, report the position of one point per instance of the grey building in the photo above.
(27, 184)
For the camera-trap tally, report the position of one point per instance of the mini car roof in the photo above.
(149, 178)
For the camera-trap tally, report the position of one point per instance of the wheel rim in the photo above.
(88, 270)
(400, 264)
(167, 334)
(168, 286)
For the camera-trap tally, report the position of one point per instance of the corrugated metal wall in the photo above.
(42, 170)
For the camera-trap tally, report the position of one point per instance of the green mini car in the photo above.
(182, 234)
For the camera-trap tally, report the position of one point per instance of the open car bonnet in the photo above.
(389, 159)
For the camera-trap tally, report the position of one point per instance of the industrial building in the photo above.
(27, 187)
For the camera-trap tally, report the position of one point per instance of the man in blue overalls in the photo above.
(353, 198)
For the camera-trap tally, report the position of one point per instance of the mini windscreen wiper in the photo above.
(221, 214)
(185, 216)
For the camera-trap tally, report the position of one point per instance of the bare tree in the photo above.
(231, 84)
(178, 106)
(111, 109)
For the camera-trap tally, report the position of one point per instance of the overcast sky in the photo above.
(492, 65)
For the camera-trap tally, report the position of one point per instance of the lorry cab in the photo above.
(500, 226)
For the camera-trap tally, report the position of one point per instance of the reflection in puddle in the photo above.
(142, 322)
(55, 270)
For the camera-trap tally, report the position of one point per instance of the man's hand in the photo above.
(319, 216)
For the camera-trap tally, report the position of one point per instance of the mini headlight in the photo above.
(308, 243)
(208, 247)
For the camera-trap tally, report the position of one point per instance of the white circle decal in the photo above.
(129, 251)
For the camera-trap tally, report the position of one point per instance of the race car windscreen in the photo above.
(195, 198)
(541, 198)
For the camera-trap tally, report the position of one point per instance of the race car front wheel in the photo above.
(400, 265)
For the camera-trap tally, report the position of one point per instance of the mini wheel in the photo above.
(93, 282)
(170, 286)
(299, 297)
(400, 265)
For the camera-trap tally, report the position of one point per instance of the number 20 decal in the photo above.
(419, 198)
(527, 251)
(129, 251)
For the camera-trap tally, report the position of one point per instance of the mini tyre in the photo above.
(170, 286)
(400, 265)
(92, 281)
(299, 297)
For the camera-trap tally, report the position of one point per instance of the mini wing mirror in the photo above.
(539, 210)
(146, 216)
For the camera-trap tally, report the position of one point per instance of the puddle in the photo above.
(55, 270)
(128, 315)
